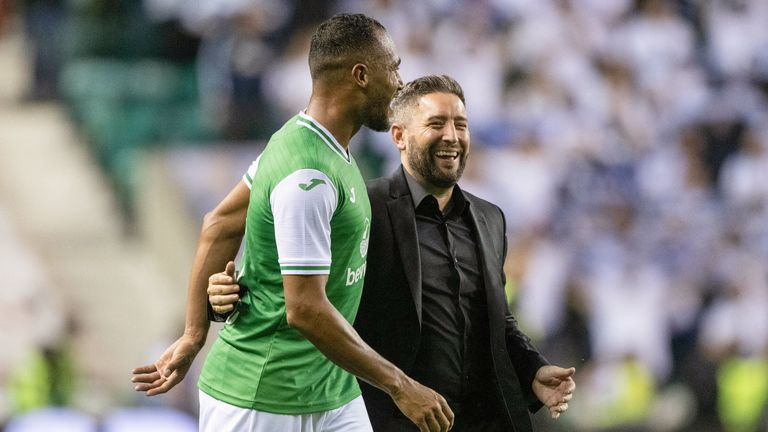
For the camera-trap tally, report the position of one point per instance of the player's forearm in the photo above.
(337, 340)
(310, 312)
(219, 242)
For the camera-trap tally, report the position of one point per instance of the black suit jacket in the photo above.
(389, 318)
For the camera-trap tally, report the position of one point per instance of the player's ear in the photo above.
(397, 131)
(360, 74)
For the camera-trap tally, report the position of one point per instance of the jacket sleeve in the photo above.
(524, 356)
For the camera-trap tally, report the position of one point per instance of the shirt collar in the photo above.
(310, 123)
(418, 193)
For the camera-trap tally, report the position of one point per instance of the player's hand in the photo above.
(424, 407)
(169, 369)
(554, 387)
(223, 290)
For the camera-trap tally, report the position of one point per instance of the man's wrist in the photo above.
(196, 336)
(395, 384)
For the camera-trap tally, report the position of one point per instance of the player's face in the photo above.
(438, 139)
(385, 83)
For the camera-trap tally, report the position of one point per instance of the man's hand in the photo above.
(424, 407)
(223, 290)
(554, 387)
(169, 369)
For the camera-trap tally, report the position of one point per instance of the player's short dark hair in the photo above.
(344, 39)
(428, 84)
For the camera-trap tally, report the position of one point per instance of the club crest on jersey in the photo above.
(366, 238)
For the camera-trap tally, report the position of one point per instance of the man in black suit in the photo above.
(433, 302)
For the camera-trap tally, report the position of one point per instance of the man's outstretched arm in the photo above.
(219, 241)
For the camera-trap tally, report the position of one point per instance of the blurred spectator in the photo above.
(742, 393)
(736, 32)
(43, 22)
(46, 376)
(34, 368)
(240, 38)
(286, 81)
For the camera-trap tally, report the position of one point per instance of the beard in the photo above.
(423, 163)
(378, 123)
(376, 117)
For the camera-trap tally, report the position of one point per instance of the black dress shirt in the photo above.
(454, 354)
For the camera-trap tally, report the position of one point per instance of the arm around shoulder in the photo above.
(220, 237)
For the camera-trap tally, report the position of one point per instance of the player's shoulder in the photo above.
(293, 138)
(302, 138)
(292, 147)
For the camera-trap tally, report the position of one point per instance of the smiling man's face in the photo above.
(437, 139)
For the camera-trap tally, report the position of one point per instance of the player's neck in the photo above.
(335, 117)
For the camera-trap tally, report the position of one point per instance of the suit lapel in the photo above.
(484, 249)
(495, 297)
(497, 311)
(402, 215)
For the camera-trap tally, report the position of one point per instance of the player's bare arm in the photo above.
(311, 313)
(219, 241)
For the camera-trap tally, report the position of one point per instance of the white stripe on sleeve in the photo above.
(302, 206)
(251, 173)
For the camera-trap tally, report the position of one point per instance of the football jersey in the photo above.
(308, 214)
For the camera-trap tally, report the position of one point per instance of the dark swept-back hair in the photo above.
(425, 85)
(341, 37)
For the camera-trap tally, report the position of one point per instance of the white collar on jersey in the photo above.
(310, 123)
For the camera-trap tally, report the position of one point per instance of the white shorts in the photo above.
(218, 416)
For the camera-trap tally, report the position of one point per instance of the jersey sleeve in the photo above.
(302, 206)
(251, 173)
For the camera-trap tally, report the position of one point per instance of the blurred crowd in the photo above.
(625, 140)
